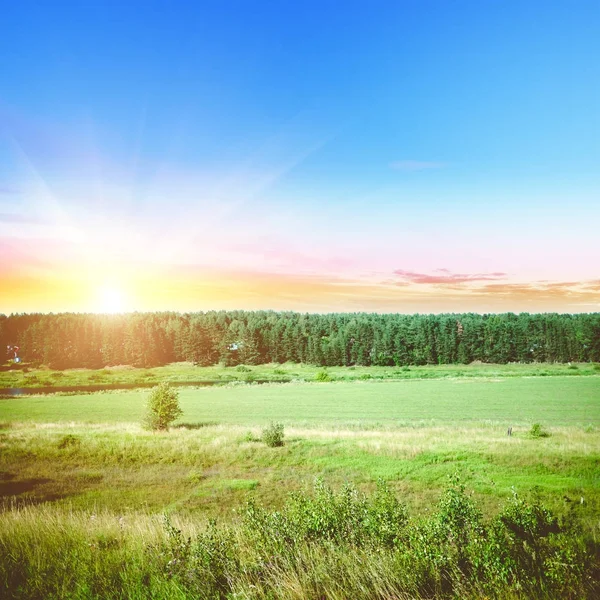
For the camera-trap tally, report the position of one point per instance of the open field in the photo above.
(83, 487)
(507, 401)
(25, 377)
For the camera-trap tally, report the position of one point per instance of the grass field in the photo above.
(507, 401)
(26, 377)
(79, 468)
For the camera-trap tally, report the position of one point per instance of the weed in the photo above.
(273, 435)
(322, 376)
(537, 431)
(250, 437)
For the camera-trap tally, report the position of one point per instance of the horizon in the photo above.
(393, 158)
(269, 310)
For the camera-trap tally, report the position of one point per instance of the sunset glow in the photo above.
(111, 300)
(362, 177)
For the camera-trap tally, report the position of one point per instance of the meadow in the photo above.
(85, 490)
(186, 372)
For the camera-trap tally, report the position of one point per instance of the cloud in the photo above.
(541, 289)
(445, 277)
(416, 165)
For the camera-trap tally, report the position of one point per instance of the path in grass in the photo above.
(552, 401)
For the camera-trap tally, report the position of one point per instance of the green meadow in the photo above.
(507, 401)
(84, 485)
(185, 372)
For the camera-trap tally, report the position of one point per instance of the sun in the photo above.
(111, 299)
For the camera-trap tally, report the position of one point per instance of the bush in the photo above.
(537, 431)
(162, 408)
(322, 375)
(272, 435)
(249, 437)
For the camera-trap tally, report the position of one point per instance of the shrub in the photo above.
(537, 431)
(272, 435)
(249, 437)
(243, 369)
(162, 407)
(322, 375)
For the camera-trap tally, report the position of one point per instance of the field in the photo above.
(27, 377)
(79, 474)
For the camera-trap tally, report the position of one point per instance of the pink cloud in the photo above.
(445, 277)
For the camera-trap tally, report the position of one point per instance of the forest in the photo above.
(73, 340)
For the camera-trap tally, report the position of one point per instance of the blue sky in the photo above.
(337, 127)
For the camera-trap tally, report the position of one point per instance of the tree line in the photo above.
(71, 340)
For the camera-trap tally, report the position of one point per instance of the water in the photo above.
(30, 391)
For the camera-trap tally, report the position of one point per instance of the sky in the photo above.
(319, 156)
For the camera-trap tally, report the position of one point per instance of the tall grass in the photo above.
(325, 544)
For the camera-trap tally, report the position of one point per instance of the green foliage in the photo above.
(243, 369)
(273, 435)
(203, 566)
(537, 431)
(250, 437)
(263, 337)
(322, 375)
(162, 407)
(344, 517)
(451, 553)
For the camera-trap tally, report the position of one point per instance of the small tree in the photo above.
(162, 407)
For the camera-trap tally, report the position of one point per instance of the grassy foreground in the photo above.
(322, 545)
(85, 490)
